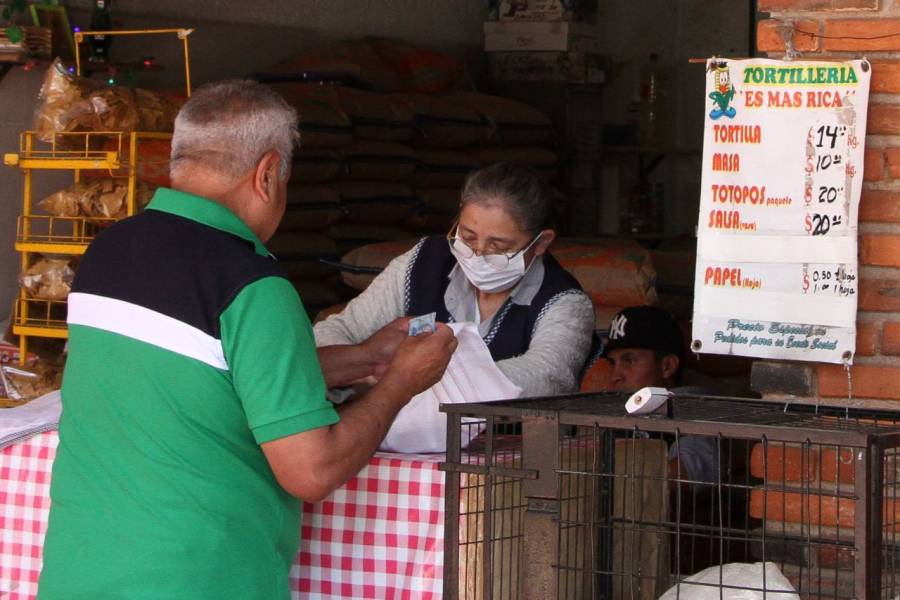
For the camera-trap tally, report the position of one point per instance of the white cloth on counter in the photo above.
(471, 376)
(39, 415)
(708, 584)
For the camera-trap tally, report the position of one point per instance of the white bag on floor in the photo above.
(735, 575)
(471, 376)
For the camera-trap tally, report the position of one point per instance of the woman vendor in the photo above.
(492, 269)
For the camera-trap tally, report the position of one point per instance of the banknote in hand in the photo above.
(422, 324)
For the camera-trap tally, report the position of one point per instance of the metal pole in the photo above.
(868, 516)
(540, 543)
(451, 509)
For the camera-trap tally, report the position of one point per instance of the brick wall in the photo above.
(876, 370)
(799, 485)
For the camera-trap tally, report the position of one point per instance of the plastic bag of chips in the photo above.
(156, 111)
(105, 198)
(69, 103)
(60, 91)
(48, 278)
(22, 385)
(64, 203)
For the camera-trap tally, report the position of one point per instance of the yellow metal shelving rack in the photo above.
(116, 152)
(46, 234)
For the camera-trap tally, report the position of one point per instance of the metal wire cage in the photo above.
(715, 498)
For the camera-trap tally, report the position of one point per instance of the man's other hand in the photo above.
(382, 344)
(420, 361)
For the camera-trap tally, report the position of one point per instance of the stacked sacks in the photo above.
(311, 208)
(368, 261)
(615, 274)
(395, 155)
(511, 123)
(379, 161)
(382, 64)
(373, 211)
(459, 132)
(441, 122)
(395, 164)
(376, 202)
(439, 207)
(300, 243)
(347, 183)
(377, 117)
(442, 168)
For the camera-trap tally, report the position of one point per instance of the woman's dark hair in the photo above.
(520, 190)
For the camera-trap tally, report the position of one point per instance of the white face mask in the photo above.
(484, 276)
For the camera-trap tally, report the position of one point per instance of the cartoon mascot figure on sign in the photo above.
(724, 92)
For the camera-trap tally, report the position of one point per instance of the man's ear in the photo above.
(265, 176)
(669, 365)
(547, 237)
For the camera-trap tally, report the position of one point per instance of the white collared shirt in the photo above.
(461, 297)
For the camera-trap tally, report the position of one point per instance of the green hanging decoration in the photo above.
(13, 32)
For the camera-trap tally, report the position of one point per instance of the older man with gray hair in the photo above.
(195, 416)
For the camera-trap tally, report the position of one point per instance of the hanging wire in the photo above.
(849, 387)
(845, 37)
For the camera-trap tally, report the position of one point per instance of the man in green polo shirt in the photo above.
(194, 411)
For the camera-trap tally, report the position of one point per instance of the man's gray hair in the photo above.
(228, 126)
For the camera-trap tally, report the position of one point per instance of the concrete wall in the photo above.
(851, 29)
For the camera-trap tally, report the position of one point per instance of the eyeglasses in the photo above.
(498, 261)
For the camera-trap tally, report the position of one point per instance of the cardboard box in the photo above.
(562, 67)
(9, 355)
(540, 36)
(546, 10)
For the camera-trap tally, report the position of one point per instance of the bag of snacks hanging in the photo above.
(69, 103)
(102, 199)
(48, 278)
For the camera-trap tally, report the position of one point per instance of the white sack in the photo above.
(471, 376)
(745, 575)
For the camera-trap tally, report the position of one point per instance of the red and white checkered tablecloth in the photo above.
(379, 536)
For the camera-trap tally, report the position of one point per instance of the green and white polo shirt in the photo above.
(187, 349)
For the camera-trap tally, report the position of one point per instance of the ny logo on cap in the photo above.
(617, 327)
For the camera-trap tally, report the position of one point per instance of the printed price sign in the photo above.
(777, 274)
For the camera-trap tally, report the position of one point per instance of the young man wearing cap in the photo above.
(645, 349)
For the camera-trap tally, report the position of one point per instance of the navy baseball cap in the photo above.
(645, 327)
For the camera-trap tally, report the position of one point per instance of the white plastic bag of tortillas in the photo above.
(744, 580)
(471, 376)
